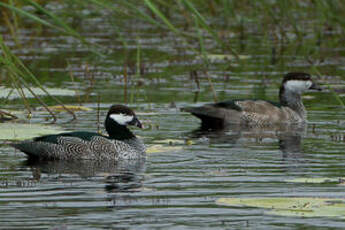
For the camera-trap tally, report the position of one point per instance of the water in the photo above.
(176, 188)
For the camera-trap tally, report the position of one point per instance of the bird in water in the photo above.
(260, 112)
(120, 144)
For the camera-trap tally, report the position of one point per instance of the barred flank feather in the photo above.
(98, 148)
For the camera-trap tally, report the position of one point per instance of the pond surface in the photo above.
(175, 188)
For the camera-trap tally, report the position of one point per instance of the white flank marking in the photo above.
(297, 86)
(121, 119)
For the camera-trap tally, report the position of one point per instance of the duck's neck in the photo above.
(116, 131)
(293, 100)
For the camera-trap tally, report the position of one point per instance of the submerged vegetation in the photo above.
(307, 32)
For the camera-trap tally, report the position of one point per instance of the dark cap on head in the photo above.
(296, 76)
(300, 76)
(117, 109)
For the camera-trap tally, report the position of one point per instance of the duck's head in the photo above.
(121, 115)
(298, 83)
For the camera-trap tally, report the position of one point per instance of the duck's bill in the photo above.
(139, 125)
(136, 122)
(315, 86)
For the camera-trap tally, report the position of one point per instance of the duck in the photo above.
(120, 143)
(258, 113)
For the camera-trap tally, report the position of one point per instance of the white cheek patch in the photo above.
(121, 119)
(297, 85)
(308, 84)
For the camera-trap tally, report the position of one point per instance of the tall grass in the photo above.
(21, 77)
(280, 23)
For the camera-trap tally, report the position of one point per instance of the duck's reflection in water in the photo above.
(288, 137)
(119, 176)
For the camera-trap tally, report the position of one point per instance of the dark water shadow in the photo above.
(288, 137)
(119, 176)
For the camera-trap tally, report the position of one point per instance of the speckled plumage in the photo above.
(259, 112)
(121, 143)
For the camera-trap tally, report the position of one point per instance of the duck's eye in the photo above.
(121, 118)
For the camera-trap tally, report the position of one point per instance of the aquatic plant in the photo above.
(205, 28)
(20, 77)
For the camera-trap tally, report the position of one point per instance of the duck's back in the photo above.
(78, 145)
(253, 112)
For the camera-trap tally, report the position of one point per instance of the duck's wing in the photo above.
(85, 136)
(236, 111)
(216, 115)
(73, 145)
(257, 106)
(260, 112)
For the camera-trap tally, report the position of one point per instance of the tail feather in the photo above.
(210, 116)
(25, 146)
(34, 149)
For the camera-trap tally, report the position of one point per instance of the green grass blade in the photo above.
(55, 19)
(62, 27)
(17, 67)
(134, 8)
(157, 12)
(29, 15)
(201, 42)
(203, 23)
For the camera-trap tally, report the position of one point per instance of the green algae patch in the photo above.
(162, 148)
(168, 145)
(317, 180)
(174, 142)
(20, 131)
(291, 206)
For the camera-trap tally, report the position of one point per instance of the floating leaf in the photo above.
(334, 210)
(308, 97)
(223, 57)
(7, 116)
(162, 148)
(291, 206)
(13, 94)
(15, 112)
(59, 108)
(189, 142)
(317, 180)
(19, 131)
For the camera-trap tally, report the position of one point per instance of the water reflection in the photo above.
(289, 137)
(124, 175)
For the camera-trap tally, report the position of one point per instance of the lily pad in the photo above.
(19, 131)
(13, 93)
(59, 108)
(291, 206)
(7, 116)
(317, 180)
(174, 142)
(162, 148)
